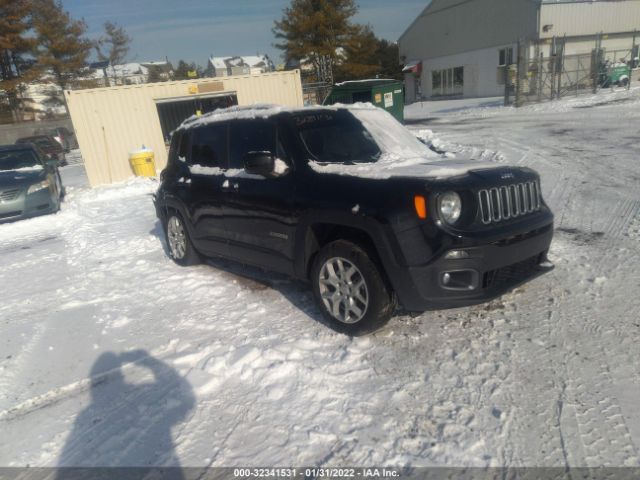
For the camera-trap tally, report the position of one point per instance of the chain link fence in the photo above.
(538, 76)
(314, 93)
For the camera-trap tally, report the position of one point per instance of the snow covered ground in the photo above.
(112, 355)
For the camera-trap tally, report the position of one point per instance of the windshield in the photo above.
(392, 137)
(18, 159)
(336, 137)
(360, 135)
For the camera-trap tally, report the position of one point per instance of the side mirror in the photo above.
(259, 163)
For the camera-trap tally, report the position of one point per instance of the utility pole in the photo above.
(554, 63)
(596, 63)
(521, 69)
(561, 66)
(634, 55)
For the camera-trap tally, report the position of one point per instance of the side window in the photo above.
(250, 136)
(209, 146)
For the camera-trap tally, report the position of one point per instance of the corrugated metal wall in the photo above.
(449, 27)
(110, 122)
(589, 18)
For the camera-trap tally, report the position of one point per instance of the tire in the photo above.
(181, 248)
(350, 290)
(61, 188)
(624, 82)
(59, 193)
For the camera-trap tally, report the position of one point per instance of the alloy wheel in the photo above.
(177, 238)
(343, 290)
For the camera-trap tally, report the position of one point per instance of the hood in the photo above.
(22, 177)
(418, 167)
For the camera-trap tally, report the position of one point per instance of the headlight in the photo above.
(450, 207)
(36, 187)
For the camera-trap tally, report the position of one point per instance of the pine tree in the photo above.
(15, 46)
(314, 31)
(389, 57)
(62, 49)
(116, 41)
(361, 59)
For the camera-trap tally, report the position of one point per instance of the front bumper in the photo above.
(23, 206)
(489, 271)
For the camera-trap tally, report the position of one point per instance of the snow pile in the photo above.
(427, 137)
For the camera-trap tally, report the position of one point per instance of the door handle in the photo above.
(226, 186)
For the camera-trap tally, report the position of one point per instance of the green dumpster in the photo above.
(386, 94)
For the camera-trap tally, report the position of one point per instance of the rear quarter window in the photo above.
(208, 146)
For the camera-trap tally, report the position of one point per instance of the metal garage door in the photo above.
(173, 111)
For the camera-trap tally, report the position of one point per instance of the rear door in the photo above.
(207, 157)
(258, 211)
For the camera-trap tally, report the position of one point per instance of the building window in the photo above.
(505, 57)
(447, 82)
(436, 80)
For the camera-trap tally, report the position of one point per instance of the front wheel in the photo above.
(350, 290)
(180, 247)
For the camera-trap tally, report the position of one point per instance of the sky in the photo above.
(194, 30)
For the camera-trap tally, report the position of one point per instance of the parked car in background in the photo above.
(30, 183)
(62, 135)
(350, 201)
(49, 146)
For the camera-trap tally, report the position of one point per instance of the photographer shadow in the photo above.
(128, 424)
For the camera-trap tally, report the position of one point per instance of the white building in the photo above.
(461, 47)
(125, 74)
(43, 99)
(246, 65)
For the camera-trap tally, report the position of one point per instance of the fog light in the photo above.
(456, 254)
(460, 280)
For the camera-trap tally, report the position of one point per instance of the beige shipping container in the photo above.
(111, 122)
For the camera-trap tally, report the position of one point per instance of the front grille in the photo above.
(502, 277)
(8, 195)
(509, 201)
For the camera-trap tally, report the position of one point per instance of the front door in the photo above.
(258, 211)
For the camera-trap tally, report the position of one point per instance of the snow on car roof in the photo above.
(260, 111)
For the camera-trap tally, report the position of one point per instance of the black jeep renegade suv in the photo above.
(351, 201)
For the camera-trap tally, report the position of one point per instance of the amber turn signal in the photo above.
(421, 206)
